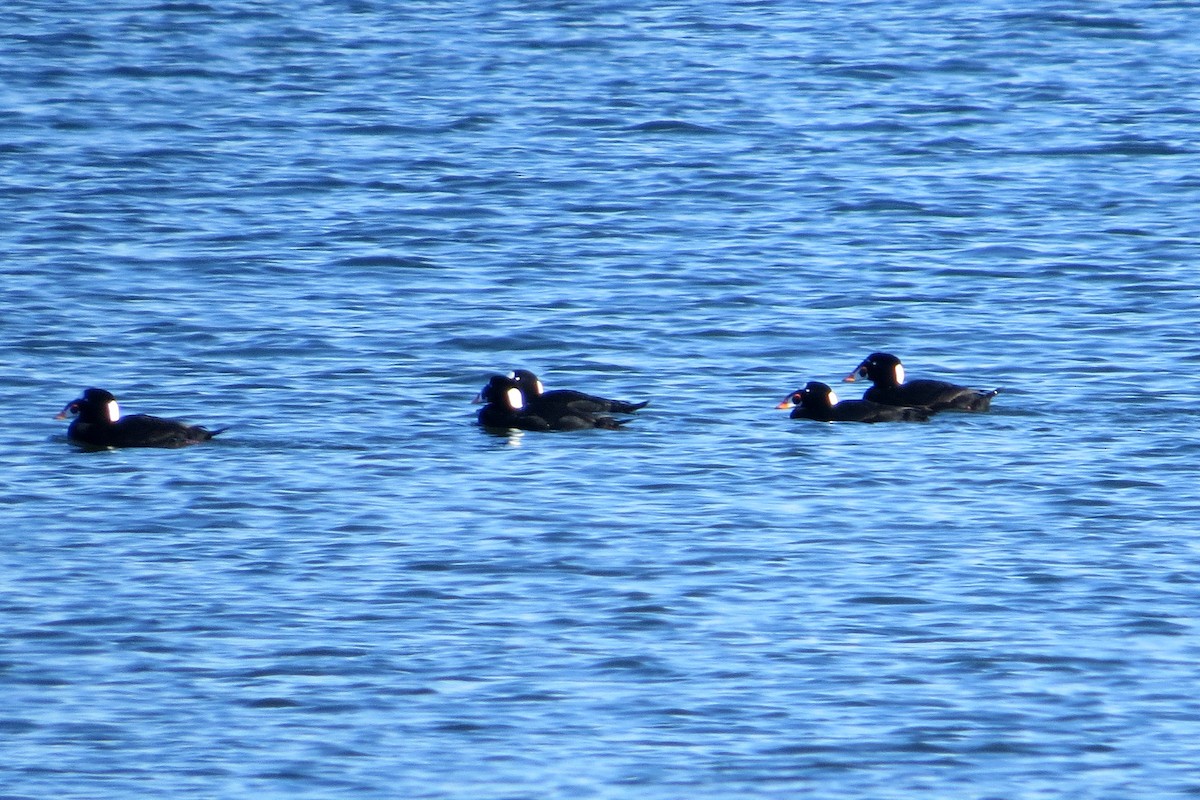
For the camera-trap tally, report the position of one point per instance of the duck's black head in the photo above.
(527, 382)
(503, 391)
(94, 407)
(817, 395)
(814, 396)
(882, 369)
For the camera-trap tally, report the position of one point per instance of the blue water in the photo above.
(326, 224)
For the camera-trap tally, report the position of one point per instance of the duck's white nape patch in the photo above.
(114, 411)
(899, 373)
(541, 389)
(833, 398)
(516, 400)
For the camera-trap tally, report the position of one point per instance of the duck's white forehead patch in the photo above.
(114, 411)
(899, 373)
(516, 400)
(512, 376)
(833, 398)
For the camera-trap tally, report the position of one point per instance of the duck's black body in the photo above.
(886, 372)
(817, 401)
(560, 401)
(98, 424)
(505, 407)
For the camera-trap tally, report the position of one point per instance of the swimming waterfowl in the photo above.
(98, 423)
(886, 372)
(506, 407)
(567, 399)
(818, 401)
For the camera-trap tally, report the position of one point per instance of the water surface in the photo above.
(327, 225)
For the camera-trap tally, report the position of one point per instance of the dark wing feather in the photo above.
(931, 394)
(564, 400)
(143, 430)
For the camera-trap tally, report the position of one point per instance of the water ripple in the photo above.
(328, 226)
